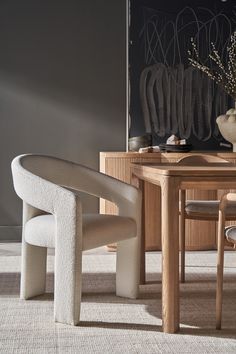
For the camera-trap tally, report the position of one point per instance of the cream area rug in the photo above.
(111, 324)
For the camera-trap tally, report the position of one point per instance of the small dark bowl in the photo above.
(138, 142)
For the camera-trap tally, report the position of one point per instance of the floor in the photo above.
(111, 324)
(14, 249)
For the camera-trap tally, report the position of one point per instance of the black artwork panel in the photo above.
(168, 96)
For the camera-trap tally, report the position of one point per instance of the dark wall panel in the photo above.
(62, 84)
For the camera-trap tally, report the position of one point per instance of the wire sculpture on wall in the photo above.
(175, 97)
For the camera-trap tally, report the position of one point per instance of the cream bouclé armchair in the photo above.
(52, 217)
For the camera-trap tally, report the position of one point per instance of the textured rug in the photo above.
(115, 325)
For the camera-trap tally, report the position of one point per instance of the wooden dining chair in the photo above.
(199, 209)
(226, 235)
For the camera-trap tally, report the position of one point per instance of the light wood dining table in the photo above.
(171, 178)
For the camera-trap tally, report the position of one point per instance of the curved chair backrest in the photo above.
(59, 171)
(201, 160)
(53, 174)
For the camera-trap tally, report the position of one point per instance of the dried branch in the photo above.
(223, 75)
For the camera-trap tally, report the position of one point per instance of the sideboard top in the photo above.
(131, 154)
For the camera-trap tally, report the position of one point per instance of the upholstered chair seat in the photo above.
(97, 230)
(207, 208)
(230, 234)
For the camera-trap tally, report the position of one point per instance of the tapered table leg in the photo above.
(170, 254)
(141, 185)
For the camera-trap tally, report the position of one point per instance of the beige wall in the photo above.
(62, 86)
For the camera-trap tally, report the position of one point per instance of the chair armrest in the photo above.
(39, 192)
(125, 196)
(226, 199)
(89, 181)
(103, 186)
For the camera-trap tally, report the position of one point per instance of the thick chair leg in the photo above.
(128, 268)
(33, 261)
(33, 270)
(67, 288)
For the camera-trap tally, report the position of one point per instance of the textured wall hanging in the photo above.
(174, 97)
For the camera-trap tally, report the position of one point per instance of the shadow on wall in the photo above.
(62, 87)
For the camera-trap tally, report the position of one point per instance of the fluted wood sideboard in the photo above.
(200, 235)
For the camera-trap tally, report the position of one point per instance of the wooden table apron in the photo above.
(171, 178)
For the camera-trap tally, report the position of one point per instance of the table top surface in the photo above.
(173, 169)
